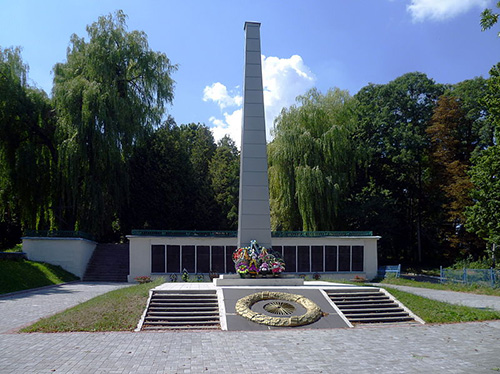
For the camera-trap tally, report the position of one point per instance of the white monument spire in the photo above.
(254, 222)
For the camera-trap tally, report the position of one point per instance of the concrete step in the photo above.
(109, 262)
(363, 302)
(179, 313)
(182, 323)
(186, 292)
(371, 298)
(376, 314)
(382, 319)
(183, 301)
(369, 307)
(187, 327)
(188, 296)
(184, 318)
(179, 305)
(370, 310)
(353, 293)
(182, 310)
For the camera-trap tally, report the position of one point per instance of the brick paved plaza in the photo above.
(452, 348)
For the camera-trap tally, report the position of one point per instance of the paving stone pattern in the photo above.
(464, 348)
(452, 348)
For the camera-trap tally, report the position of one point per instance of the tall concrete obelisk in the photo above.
(254, 218)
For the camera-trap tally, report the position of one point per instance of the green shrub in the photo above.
(469, 263)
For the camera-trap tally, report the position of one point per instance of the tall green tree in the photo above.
(224, 170)
(483, 216)
(471, 94)
(111, 91)
(312, 161)
(200, 145)
(161, 182)
(392, 121)
(452, 145)
(28, 154)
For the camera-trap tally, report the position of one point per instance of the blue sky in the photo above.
(313, 43)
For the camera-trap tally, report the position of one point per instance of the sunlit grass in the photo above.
(24, 274)
(432, 311)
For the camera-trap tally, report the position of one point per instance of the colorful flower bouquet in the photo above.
(257, 261)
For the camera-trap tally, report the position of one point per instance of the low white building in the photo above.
(341, 255)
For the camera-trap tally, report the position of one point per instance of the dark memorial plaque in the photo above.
(357, 257)
(202, 259)
(157, 259)
(173, 259)
(303, 260)
(317, 258)
(344, 258)
(218, 259)
(290, 257)
(330, 258)
(188, 258)
(279, 250)
(229, 258)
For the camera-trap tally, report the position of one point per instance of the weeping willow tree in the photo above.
(28, 155)
(111, 90)
(312, 161)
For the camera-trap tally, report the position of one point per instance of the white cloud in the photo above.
(217, 92)
(230, 125)
(283, 78)
(439, 10)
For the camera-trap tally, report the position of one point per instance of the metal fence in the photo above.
(483, 277)
(274, 234)
(58, 234)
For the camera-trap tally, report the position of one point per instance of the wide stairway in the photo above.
(369, 306)
(182, 310)
(109, 263)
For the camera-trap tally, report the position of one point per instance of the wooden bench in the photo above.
(389, 269)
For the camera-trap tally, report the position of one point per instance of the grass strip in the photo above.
(118, 310)
(476, 289)
(24, 274)
(432, 311)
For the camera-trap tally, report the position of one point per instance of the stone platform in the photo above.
(226, 280)
(331, 298)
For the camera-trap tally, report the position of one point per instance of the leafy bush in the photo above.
(469, 263)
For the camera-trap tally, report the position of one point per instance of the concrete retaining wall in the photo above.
(72, 254)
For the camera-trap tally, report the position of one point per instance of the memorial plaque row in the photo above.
(195, 259)
(298, 259)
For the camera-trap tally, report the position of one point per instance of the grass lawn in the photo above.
(432, 311)
(17, 248)
(118, 310)
(24, 274)
(482, 290)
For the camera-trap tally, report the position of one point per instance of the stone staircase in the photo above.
(182, 310)
(109, 263)
(369, 306)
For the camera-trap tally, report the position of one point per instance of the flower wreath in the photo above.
(256, 260)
